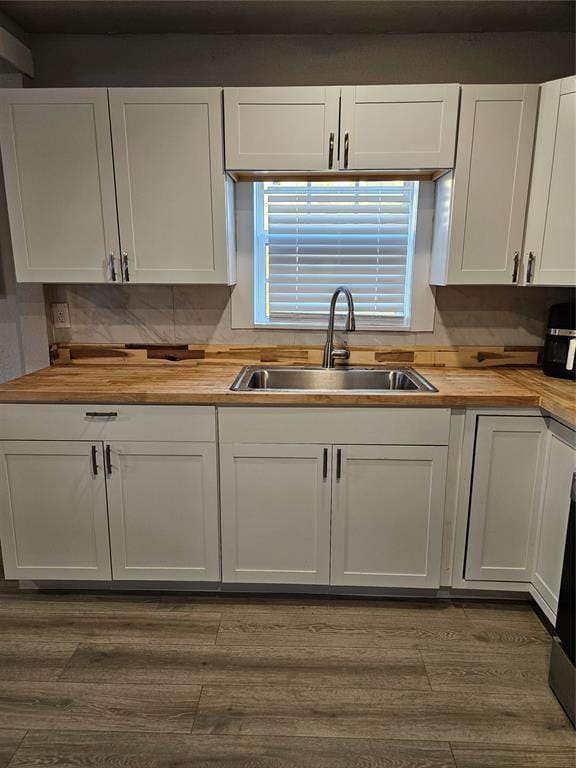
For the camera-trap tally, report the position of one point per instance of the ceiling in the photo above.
(288, 16)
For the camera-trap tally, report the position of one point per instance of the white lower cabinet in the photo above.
(388, 508)
(53, 516)
(354, 515)
(275, 511)
(561, 465)
(163, 509)
(505, 497)
(130, 494)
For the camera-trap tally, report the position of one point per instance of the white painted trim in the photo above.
(423, 294)
(16, 53)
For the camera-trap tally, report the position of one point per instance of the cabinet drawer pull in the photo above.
(108, 460)
(516, 265)
(101, 414)
(346, 148)
(530, 270)
(112, 264)
(325, 464)
(125, 270)
(331, 150)
(94, 461)
(338, 463)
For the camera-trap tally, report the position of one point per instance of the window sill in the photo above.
(337, 329)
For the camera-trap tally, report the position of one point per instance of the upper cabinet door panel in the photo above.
(398, 126)
(59, 176)
(491, 179)
(550, 229)
(282, 129)
(170, 184)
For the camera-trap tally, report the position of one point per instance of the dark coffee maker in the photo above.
(560, 343)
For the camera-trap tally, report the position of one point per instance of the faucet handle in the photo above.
(343, 353)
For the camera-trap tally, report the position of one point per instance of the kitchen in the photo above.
(288, 414)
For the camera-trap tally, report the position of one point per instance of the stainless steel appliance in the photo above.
(560, 344)
(562, 661)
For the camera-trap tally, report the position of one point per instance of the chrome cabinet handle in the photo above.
(331, 150)
(125, 270)
(108, 460)
(346, 148)
(516, 266)
(112, 266)
(338, 463)
(325, 464)
(530, 269)
(94, 461)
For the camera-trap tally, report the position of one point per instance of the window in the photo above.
(312, 236)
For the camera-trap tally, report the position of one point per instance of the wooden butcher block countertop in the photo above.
(210, 384)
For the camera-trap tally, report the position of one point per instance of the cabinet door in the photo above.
(490, 186)
(57, 159)
(561, 465)
(292, 129)
(388, 507)
(163, 506)
(398, 126)
(506, 484)
(275, 513)
(171, 187)
(550, 243)
(53, 517)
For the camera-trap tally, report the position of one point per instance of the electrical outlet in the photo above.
(61, 315)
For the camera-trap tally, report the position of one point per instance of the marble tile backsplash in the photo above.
(202, 314)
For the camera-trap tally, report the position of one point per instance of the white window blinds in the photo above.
(313, 236)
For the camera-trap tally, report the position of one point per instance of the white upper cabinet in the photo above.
(332, 129)
(481, 206)
(159, 211)
(59, 176)
(550, 242)
(281, 129)
(504, 503)
(172, 191)
(398, 126)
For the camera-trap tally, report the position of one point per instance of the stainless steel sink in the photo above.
(331, 380)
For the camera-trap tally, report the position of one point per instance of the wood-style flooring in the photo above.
(182, 681)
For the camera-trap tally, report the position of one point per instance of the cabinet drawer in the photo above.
(368, 426)
(131, 422)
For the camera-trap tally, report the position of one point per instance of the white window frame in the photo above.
(422, 301)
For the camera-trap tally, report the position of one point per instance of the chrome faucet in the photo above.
(342, 353)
